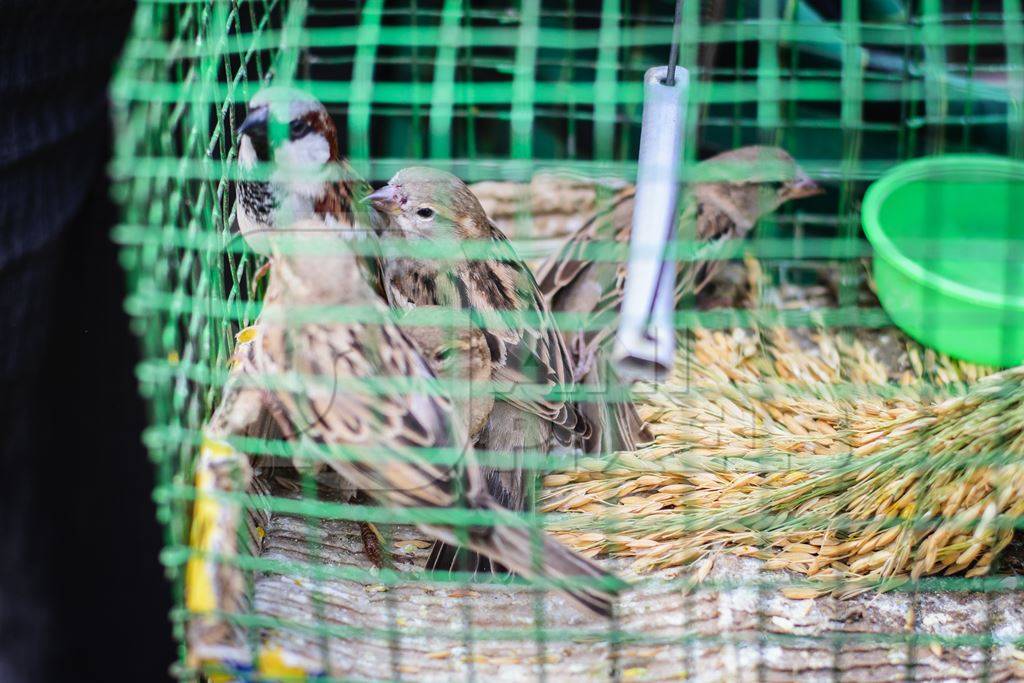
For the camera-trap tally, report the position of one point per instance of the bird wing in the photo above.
(717, 214)
(394, 426)
(572, 282)
(562, 274)
(526, 347)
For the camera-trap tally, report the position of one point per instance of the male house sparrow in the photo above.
(382, 435)
(713, 212)
(293, 131)
(424, 204)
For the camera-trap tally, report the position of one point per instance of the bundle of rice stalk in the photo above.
(799, 449)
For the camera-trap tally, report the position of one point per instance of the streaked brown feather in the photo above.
(523, 350)
(460, 354)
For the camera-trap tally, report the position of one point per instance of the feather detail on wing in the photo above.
(396, 424)
(571, 282)
(379, 441)
(616, 424)
(563, 269)
(527, 348)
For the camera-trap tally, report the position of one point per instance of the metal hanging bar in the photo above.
(645, 342)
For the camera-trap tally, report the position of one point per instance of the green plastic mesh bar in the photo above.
(507, 92)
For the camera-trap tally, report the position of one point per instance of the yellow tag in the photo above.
(199, 592)
(199, 595)
(173, 358)
(273, 664)
(216, 448)
(247, 335)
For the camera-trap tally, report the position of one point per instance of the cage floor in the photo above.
(734, 634)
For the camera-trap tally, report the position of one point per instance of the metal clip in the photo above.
(645, 343)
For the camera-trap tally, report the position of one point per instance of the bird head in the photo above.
(748, 183)
(291, 132)
(429, 203)
(796, 184)
(288, 127)
(769, 168)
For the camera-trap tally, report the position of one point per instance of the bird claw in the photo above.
(372, 544)
(260, 273)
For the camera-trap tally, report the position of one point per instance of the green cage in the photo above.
(537, 104)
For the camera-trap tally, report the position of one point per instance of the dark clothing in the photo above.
(82, 596)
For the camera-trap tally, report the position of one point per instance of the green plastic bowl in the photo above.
(948, 237)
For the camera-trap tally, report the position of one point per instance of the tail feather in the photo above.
(534, 554)
(617, 424)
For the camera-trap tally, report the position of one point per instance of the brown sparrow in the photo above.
(292, 131)
(422, 204)
(713, 212)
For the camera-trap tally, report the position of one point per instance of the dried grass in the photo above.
(803, 448)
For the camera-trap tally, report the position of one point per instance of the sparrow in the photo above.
(421, 205)
(293, 136)
(713, 213)
(310, 179)
(382, 436)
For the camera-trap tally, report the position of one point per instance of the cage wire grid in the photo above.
(499, 92)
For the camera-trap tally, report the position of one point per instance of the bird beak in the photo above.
(803, 187)
(387, 199)
(254, 122)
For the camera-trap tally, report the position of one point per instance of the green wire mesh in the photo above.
(501, 91)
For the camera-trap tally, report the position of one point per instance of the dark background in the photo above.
(82, 595)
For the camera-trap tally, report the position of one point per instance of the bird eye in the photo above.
(299, 128)
(424, 212)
